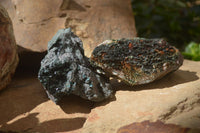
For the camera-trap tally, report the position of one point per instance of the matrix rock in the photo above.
(65, 70)
(136, 61)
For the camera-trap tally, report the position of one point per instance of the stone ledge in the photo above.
(173, 99)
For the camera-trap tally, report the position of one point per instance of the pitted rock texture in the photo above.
(136, 61)
(8, 52)
(65, 70)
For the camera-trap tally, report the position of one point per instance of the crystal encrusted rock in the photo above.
(65, 70)
(136, 61)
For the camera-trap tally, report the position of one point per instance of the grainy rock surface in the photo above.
(136, 61)
(65, 70)
(8, 52)
(92, 21)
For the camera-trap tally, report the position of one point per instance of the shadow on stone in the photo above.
(170, 80)
(21, 96)
(74, 104)
(29, 61)
(105, 102)
(25, 91)
(23, 124)
(71, 5)
(31, 124)
(152, 127)
(61, 125)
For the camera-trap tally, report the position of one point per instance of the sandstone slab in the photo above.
(155, 127)
(173, 99)
(8, 49)
(92, 21)
(25, 107)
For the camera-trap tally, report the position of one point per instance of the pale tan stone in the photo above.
(25, 107)
(36, 21)
(173, 99)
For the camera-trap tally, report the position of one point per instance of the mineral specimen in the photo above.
(136, 61)
(65, 70)
(8, 49)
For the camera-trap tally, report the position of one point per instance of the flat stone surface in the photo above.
(26, 107)
(153, 127)
(172, 99)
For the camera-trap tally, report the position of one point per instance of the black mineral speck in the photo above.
(65, 70)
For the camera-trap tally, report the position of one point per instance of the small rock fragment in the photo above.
(136, 61)
(65, 70)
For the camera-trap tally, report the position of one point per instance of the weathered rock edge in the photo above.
(66, 70)
(8, 49)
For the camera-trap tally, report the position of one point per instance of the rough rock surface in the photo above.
(136, 61)
(65, 70)
(92, 21)
(8, 52)
(172, 99)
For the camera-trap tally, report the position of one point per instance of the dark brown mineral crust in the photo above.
(66, 70)
(8, 49)
(136, 61)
